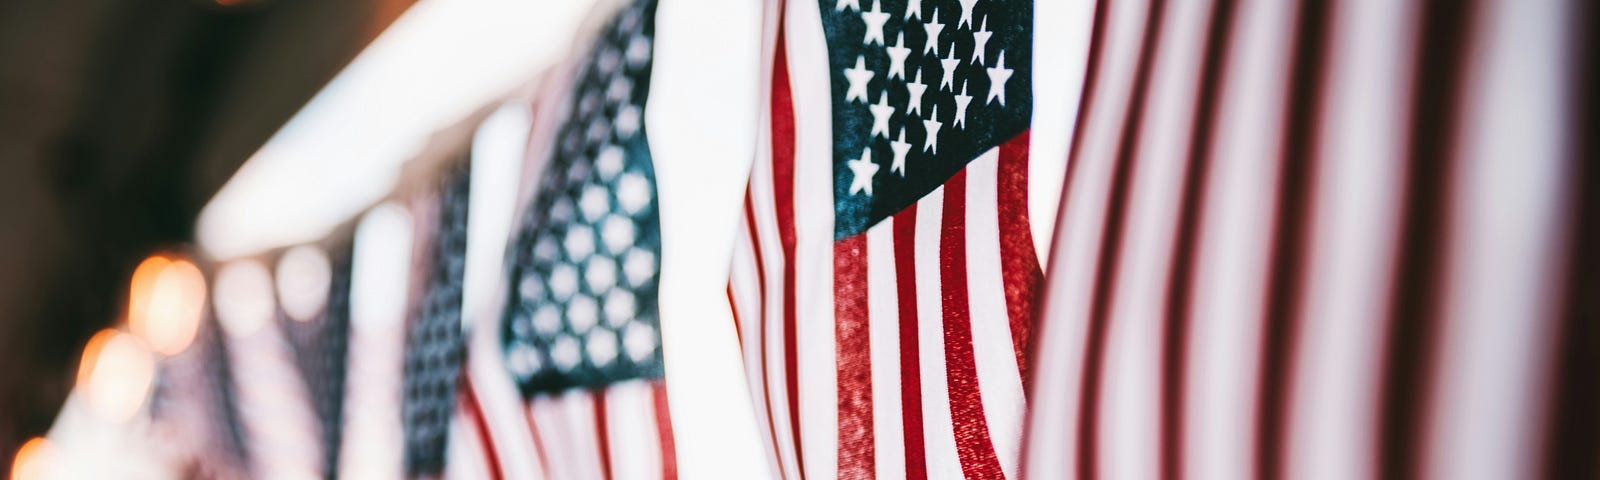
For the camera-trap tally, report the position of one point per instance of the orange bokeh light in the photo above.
(165, 301)
(34, 461)
(115, 374)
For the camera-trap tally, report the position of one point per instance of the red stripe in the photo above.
(755, 245)
(1572, 423)
(761, 318)
(602, 433)
(538, 442)
(1298, 158)
(978, 459)
(1415, 304)
(669, 451)
(783, 199)
(473, 411)
(905, 243)
(1019, 261)
(733, 306)
(854, 357)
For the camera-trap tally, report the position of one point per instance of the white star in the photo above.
(961, 106)
(880, 114)
(863, 169)
(858, 77)
(932, 125)
(619, 89)
(916, 87)
(900, 148)
(949, 63)
(913, 9)
(980, 38)
(874, 20)
(843, 4)
(638, 50)
(897, 57)
(932, 28)
(627, 121)
(998, 74)
(966, 13)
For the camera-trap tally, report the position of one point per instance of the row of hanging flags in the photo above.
(1302, 239)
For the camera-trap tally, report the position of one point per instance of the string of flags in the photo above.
(1268, 239)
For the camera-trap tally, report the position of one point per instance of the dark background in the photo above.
(118, 120)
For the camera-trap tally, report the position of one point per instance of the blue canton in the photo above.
(586, 260)
(920, 88)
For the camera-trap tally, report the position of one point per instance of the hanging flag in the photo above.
(568, 383)
(434, 341)
(1316, 239)
(884, 282)
(279, 428)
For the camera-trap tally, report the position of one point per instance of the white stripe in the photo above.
(883, 313)
(562, 450)
(1507, 246)
(1234, 246)
(631, 431)
(500, 404)
(1330, 426)
(465, 456)
(999, 381)
(1070, 284)
(372, 442)
(938, 431)
(578, 417)
(813, 260)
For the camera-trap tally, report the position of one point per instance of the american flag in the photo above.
(434, 341)
(886, 269)
(1312, 239)
(569, 384)
(279, 427)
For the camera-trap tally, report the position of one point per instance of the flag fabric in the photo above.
(279, 428)
(884, 277)
(331, 355)
(193, 417)
(1317, 239)
(568, 383)
(434, 341)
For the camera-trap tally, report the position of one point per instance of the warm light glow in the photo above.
(35, 461)
(165, 302)
(303, 279)
(243, 296)
(116, 374)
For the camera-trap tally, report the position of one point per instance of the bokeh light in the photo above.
(116, 374)
(36, 460)
(303, 278)
(165, 301)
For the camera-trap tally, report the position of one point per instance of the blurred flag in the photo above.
(434, 342)
(1318, 239)
(568, 384)
(885, 275)
(330, 354)
(194, 418)
(280, 431)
